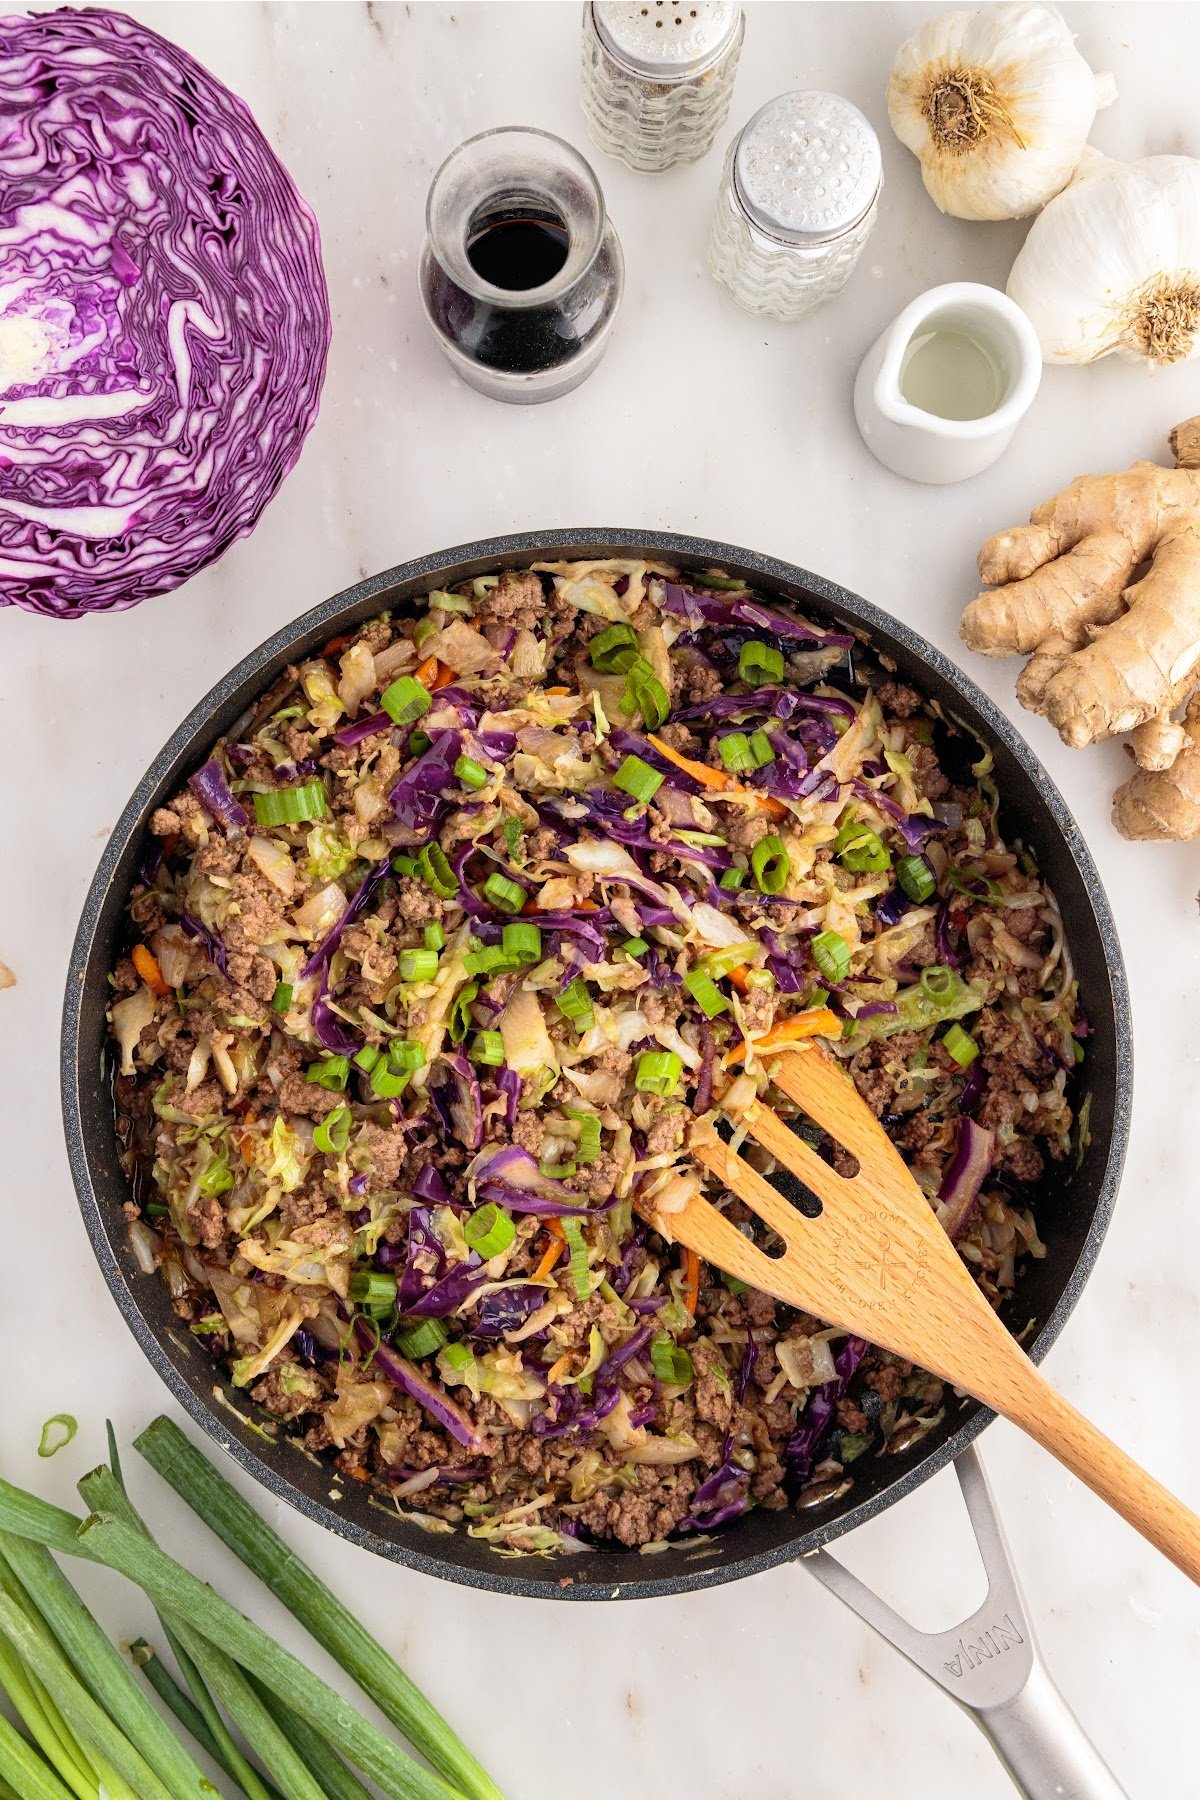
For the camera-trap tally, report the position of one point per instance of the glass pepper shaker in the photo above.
(658, 78)
(799, 197)
(521, 274)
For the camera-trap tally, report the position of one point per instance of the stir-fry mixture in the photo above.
(431, 971)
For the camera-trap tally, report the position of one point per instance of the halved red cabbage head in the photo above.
(164, 320)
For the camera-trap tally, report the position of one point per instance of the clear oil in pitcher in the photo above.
(951, 375)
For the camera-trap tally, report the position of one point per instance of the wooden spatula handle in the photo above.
(1040, 1409)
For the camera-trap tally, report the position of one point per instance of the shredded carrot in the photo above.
(817, 1022)
(146, 964)
(737, 979)
(337, 643)
(561, 1368)
(246, 1142)
(445, 675)
(709, 777)
(553, 1252)
(691, 1281)
(426, 672)
(558, 690)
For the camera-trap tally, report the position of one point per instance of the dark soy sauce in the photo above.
(518, 251)
(519, 247)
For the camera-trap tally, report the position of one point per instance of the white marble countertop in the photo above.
(700, 419)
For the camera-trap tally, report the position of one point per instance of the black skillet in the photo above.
(1073, 1213)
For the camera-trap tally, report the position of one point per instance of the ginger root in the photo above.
(1108, 654)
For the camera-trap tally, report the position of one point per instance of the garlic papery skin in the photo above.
(996, 105)
(1114, 263)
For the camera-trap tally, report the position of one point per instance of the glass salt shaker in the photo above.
(521, 274)
(658, 78)
(799, 197)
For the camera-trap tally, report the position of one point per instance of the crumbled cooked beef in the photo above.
(898, 699)
(206, 1216)
(416, 903)
(518, 599)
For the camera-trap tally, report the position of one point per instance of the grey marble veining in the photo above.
(700, 417)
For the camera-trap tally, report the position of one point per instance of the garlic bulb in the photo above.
(997, 106)
(1114, 263)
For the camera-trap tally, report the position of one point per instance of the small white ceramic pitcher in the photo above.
(922, 443)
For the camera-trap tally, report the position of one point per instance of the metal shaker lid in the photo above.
(807, 167)
(669, 42)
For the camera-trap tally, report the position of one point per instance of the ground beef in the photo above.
(898, 699)
(666, 1133)
(206, 1216)
(386, 1154)
(518, 599)
(308, 1098)
(699, 682)
(271, 1393)
(714, 1386)
(528, 1133)
(303, 1207)
(416, 903)
(928, 778)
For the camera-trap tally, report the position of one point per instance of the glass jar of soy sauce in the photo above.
(521, 274)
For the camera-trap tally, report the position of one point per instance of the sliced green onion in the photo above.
(406, 1053)
(423, 630)
(406, 700)
(701, 838)
(523, 941)
(575, 1003)
(761, 749)
(418, 965)
(404, 865)
(938, 983)
(557, 1171)
(637, 778)
(489, 1231)
(332, 1072)
(635, 947)
(433, 867)
(57, 1433)
(770, 864)
(425, 1339)
(719, 962)
(645, 692)
(578, 1265)
(860, 849)
(657, 1072)
(490, 960)
(281, 999)
(367, 1057)
(831, 953)
(961, 1046)
(387, 1083)
(760, 664)
(504, 893)
(720, 584)
(472, 774)
(735, 1285)
(670, 1361)
(614, 650)
(733, 878)
(818, 997)
(589, 1135)
(435, 938)
(333, 1133)
(373, 1289)
(459, 1357)
(705, 993)
(735, 751)
(487, 1047)
(418, 743)
(514, 832)
(292, 805)
(459, 1022)
(915, 877)
(760, 978)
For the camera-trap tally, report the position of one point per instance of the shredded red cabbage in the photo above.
(212, 790)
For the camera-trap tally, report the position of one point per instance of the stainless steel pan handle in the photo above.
(990, 1664)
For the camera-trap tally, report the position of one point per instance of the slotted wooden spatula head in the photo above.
(876, 1262)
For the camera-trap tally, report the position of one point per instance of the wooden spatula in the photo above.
(876, 1262)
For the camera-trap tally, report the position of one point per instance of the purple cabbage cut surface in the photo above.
(164, 320)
